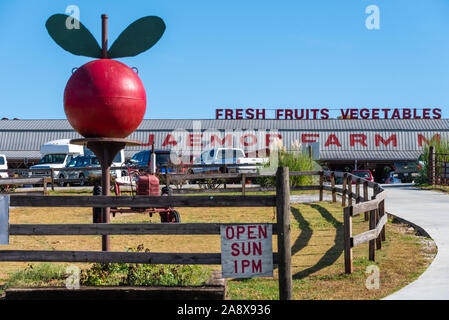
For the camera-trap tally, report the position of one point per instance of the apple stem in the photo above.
(104, 36)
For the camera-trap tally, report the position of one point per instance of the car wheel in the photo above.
(171, 217)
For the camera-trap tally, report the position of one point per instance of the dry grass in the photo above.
(317, 248)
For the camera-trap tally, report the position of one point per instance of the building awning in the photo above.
(370, 155)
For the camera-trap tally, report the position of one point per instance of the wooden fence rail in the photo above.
(142, 201)
(374, 208)
(120, 229)
(13, 181)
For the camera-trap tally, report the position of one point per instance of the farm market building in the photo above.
(337, 143)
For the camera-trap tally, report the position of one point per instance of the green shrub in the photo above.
(95, 180)
(128, 274)
(442, 147)
(296, 160)
(37, 275)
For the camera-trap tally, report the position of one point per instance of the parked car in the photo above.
(392, 178)
(80, 163)
(406, 171)
(55, 154)
(234, 158)
(143, 159)
(3, 166)
(365, 174)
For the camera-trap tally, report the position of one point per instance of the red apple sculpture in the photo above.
(105, 98)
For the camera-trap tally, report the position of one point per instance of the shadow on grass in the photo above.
(306, 232)
(332, 254)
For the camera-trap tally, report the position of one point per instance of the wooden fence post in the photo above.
(347, 239)
(381, 214)
(375, 191)
(349, 190)
(225, 170)
(167, 179)
(52, 176)
(365, 196)
(243, 184)
(372, 243)
(46, 180)
(334, 193)
(283, 238)
(321, 185)
(343, 196)
(379, 238)
(431, 166)
(357, 191)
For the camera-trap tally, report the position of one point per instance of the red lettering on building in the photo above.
(306, 137)
(169, 140)
(357, 138)
(150, 140)
(332, 140)
(421, 139)
(392, 139)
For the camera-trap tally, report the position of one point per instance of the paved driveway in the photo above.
(429, 210)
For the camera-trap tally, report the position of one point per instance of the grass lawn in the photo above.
(444, 189)
(317, 248)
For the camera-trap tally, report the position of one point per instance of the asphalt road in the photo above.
(429, 210)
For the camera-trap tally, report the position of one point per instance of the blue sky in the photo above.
(240, 53)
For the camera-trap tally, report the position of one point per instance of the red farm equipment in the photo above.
(147, 185)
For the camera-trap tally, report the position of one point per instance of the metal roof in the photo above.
(369, 155)
(309, 125)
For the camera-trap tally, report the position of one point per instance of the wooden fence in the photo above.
(437, 168)
(225, 169)
(17, 181)
(374, 211)
(281, 228)
(373, 208)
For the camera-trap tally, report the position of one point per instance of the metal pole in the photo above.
(153, 160)
(104, 36)
(105, 188)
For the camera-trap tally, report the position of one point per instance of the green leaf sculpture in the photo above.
(138, 37)
(79, 41)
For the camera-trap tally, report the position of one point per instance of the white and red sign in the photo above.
(246, 250)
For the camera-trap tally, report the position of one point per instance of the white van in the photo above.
(3, 166)
(56, 154)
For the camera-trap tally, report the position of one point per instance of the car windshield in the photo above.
(83, 161)
(72, 163)
(118, 158)
(362, 174)
(162, 159)
(230, 154)
(52, 158)
(2, 160)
